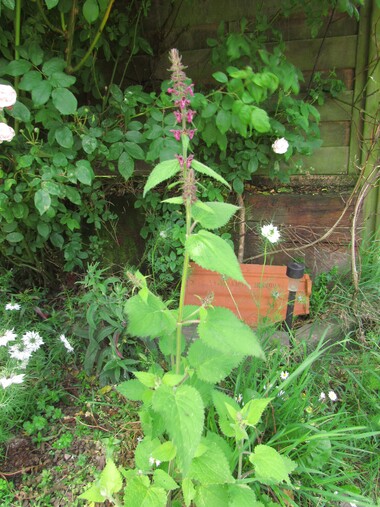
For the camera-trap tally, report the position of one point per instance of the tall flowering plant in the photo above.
(198, 446)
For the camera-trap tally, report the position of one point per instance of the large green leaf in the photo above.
(222, 330)
(149, 317)
(17, 67)
(212, 495)
(204, 169)
(241, 495)
(84, 172)
(211, 467)
(20, 112)
(214, 253)
(14, 237)
(132, 389)
(90, 10)
(212, 215)
(162, 172)
(64, 137)
(212, 365)
(30, 80)
(42, 201)
(126, 165)
(110, 479)
(270, 466)
(41, 93)
(164, 480)
(183, 413)
(254, 409)
(139, 492)
(260, 120)
(64, 101)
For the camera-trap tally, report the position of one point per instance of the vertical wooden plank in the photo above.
(360, 80)
(371, 125)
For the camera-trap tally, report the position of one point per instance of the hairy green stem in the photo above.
(46, 20)
(71, 69)
(240, 463)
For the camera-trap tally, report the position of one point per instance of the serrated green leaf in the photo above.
(241, 495)
(214, 253)
(204, 169)
(183, 413)
(132, 389)
(90, 10)
(164, 480)
(174, 200)
(125, 165)
(188, 491)
(270, 466)
(219, 328)
(165, 452)
(64, 137)
(171, 379)
(150, 318)
(41, 93)
(42, 201)
(211, 467)
(84, 172)
(162, 172)
(211, 495)
(146, 378)
(253, 410)
(64, 101)
(212, 365)
(215, 215)
(93, 494)
(110, 479)
(140, 492)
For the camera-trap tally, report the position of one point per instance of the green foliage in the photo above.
(100, 323)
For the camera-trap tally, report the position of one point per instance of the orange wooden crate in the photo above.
(265, 300)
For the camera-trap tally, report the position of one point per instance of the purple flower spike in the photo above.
(177, 134)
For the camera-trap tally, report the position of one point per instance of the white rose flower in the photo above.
(6, 132)
(8, 96)
(280, 146)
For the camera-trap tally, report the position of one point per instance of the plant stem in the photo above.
(70, 34)
(72, 70)
(46, 20)
(240, 463)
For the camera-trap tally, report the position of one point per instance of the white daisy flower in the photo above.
(271, 233)
(8, 336)
(322, 396)
(66, 343)
(20, 352)
(332, 395)
(32, 340)
(284, 375)
(239, 398)
(14, 379)
(12, 306)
